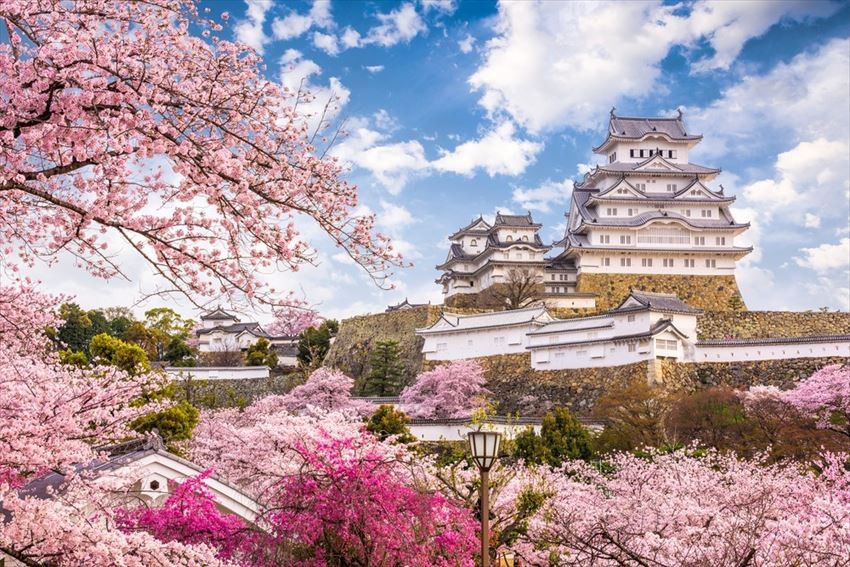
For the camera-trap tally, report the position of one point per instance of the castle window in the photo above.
(671, 154)
(720, 240)
(711, 263)
(689, 263)
(632, 212)
(473, 242)
(646, 262)
(606, 261)
(625, 239)
(518, 255)
(706, 213)
(611, 212)
(499, 340)
(641, 186)
(663, 236)
(581, 353)
(664, 344)
(605, 239)
(525, 238)
(631, 318)
(631, 153)
(625, 262)
(672, 186)
(687, 212)
(668, 262)
(612, 157)
(632, 347)
(441, 347)
(510, 238)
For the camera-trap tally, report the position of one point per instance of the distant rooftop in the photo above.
(218, 314)
(656, 301)
(636, 127)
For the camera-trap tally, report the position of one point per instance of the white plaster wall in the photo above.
(565, 301)
(737, 353)
(589, 356)
(622, 149)
(475, 343)
(591, 262)
(458, 432)
(218, 372)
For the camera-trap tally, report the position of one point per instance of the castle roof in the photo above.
(451, 322)
(659, 326)
(477, 226)
(668, 302)
(218, 314)
(636, 128)
(516, 220)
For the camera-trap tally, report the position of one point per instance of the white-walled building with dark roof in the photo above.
(221, 331)
(649, 210)
(482, 255)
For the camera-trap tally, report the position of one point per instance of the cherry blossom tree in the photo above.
(291, 321)
(326, 390)
(450, 390)
(679, 509)
(120, 126)
(825, 396)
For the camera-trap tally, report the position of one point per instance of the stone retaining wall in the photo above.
(769, 324)
(352, 348)
(781, 373)
(517, 388)
(706, 292)
(214, 394)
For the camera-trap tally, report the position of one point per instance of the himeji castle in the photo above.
(647, 215)
(649, 210)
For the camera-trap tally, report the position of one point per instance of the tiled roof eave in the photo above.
(773, 340)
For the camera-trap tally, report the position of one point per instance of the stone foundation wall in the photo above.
(353, 346)
(764, 324)
(781, 373)
(517, 388)
(713, 293)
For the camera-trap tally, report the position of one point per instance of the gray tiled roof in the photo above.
(681, 168)
(236, 328)
(775, 340)
(648, 196)
(657, 327)
(658, 302)
(515, 220)
(468, 228)
(218, 314)
(637, 127)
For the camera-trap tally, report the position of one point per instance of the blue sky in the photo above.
(458, 108)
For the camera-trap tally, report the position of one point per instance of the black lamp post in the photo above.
(484, 446)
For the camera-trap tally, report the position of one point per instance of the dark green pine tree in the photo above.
(387, 370)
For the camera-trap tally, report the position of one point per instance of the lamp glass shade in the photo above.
(484, 446)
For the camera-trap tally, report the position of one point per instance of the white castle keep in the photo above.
(648, 210)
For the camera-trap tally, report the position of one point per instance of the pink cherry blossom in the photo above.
(450, 390)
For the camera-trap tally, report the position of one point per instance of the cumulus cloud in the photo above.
(374, 68)
(444, 6)
(294, 24)
(498, 152)
(326, 42)
(826, 257)
(250, 30)
(394, 217)
(466, 44)
(544, 196)
(802, 100)
(554, 64)
(297, 74)
(397, 26)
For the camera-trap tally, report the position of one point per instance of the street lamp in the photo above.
(484, 446)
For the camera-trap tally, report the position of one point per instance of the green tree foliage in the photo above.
(260, 354)
(173, 424)
(179, 353)
(75, 331)
(73, 358)
(386, 422)
(314, 344)
(561, 437)
(164, 324)
(126, 356)
(387, 370)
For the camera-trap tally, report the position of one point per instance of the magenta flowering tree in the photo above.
(189, 515)
(385, 523)
(825, 396)
(450, 390)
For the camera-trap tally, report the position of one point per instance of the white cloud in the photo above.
(297, 75)
(826, 257)
(385, 121)
(444, 6)
(542, 197)
(393, 218)
(374, 68)
(554, 64)
(350, 38)
(250, 30)
(811, 177)
(326, 42)
(466, 44)
(294, 25)
(811, 221)
(802, 100)
(397, 26)
(498, 152)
